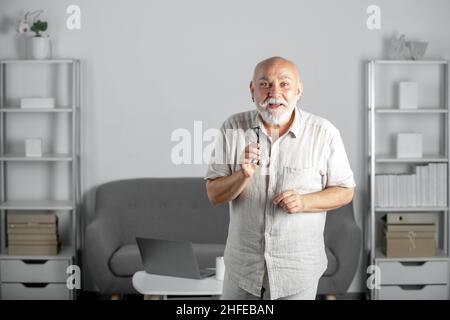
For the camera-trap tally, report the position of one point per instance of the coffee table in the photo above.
(154, 286)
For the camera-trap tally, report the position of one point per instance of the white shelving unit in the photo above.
(40, 277)
(407, 278)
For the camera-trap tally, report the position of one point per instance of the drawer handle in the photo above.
(412, 287)
(34, 261)
(413, 263)
(34, 285)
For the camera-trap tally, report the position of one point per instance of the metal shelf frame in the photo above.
(374, 112)
(72, 205)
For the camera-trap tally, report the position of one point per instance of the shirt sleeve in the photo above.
(339, 173)
(218, 166)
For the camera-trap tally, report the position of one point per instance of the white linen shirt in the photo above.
(308, 158)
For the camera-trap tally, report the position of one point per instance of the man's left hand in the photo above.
(290, 201)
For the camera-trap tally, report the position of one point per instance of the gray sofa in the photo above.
(343, 243)
(178, 208)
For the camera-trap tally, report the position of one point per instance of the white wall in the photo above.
(150, 67)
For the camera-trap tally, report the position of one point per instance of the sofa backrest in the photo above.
(172, 208)
(336, 219)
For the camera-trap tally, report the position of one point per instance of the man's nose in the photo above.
(274, 91)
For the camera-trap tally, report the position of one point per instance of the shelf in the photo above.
(69, 179)
(440, 255)
(426, 158)
(36, 110)
(381, 91)
(65, 252)
(411, 111)
(410, 61)
(410, 209)
(36, 205)
(52, 61)
(45, 157)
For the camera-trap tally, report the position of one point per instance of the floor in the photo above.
(90, 295)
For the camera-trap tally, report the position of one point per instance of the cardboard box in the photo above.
(409, 218)
(31, 217)
(410, 228)
(409, 244)
(38, 250)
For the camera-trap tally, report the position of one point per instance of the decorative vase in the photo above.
(40, 48)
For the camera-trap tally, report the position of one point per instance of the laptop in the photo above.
(171, 258)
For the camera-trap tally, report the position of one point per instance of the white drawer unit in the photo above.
(36, 278)
(414, 292)
(414, 272)
(33, 270)
(413, 279)
(35, 291)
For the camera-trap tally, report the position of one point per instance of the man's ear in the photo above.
(300, 88)
(251, 90)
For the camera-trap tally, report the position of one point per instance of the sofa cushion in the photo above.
(332, 263)
(127, 260)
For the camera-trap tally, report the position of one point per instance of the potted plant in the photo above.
(40, 45)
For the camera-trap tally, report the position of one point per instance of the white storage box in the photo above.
(37, 103)
(409, 145)
(33, 147)
(408, 95)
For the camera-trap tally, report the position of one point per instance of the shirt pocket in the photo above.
(303, 180)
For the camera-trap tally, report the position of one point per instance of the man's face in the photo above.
(276, 90)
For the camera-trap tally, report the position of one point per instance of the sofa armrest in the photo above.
(102, 239)
(345, 243)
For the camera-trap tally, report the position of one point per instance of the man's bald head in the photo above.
(275, 89)
(275, 62)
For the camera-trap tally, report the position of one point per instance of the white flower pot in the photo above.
(40, 48)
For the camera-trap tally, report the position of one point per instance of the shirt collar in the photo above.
(295, 126)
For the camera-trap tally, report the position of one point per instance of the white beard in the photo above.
(276, 117)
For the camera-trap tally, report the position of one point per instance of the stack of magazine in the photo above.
(427, 187)
(32, 234)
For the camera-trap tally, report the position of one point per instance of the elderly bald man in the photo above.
(293, 170)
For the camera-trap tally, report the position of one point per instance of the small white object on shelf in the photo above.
(407, 95)
(409, 145)
(37, 103)
(33, 147)
(220, 268)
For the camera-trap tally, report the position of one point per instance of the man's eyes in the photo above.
(267, 85)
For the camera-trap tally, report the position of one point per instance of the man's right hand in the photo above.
(250, 158)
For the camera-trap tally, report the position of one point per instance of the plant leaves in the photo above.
(39, 26)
